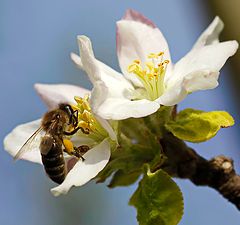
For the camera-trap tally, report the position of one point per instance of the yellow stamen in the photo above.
(152, 76)
(86, 120)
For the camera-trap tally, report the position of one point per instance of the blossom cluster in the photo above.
(148, 80)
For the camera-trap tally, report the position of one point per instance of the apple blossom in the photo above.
(101, 138)
(150, 79)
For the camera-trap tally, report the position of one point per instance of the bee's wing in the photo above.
(30, 143)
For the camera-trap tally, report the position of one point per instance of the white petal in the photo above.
(83, 171)
(107, 74)
(136, 16)
(97, 70)
(119, 109)
(173, 95)
(53, 94)
(107, 83)
(105, 124)
(201, 80)
(79, 139)
(98, 95)
(210, 35)
(77, 60)
(112, 84)
(198, 70)
(210, 57)
(112, 78)
(19, 135)
(89, 63)
(198, 80)
(135, 40)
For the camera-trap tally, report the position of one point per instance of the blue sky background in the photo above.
(35, 41)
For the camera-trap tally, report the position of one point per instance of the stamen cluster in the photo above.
(152, 74)
(86, 120)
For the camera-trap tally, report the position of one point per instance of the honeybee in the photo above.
(56, 124)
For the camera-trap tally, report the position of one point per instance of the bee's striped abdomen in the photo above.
(54, 162)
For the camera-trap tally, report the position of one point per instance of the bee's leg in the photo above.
(71, 132)
(72, 150)
(81, 150)
(75, 116)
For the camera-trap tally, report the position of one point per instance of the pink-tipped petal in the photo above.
(136, 16)
(53, 94)
(135, 40)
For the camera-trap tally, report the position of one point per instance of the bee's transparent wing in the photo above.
(30, 144)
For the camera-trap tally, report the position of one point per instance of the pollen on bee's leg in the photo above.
(69, 148)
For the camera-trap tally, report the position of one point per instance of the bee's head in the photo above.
(72, 115)
(55, 119)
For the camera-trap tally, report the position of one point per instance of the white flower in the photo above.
(101, 139)
(152, 79)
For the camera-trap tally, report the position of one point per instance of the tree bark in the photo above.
(217, 173)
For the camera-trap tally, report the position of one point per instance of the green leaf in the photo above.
(158, 200)
(130, 160)
(198, 126)
(121, 178)
(138, 145)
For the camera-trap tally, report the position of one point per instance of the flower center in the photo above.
(152, 74)
(86, 120)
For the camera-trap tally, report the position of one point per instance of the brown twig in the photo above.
(218, 173)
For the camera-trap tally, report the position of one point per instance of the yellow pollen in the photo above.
(68, 145)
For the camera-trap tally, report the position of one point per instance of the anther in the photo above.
(79, 100)
(152, 56)
(137, 61)
(86, 116)
(166, 61)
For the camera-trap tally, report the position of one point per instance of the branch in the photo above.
(218, 173)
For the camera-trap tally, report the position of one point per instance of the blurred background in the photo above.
(35, 41)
